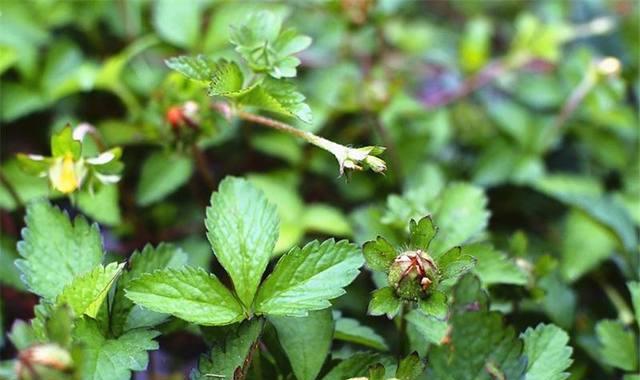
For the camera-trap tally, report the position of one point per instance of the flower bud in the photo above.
(413, 274)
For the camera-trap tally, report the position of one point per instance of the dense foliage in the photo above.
(349, 189)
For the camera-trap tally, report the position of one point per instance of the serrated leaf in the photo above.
(112, 359)
(150, 259)
(493, 266)
(230, 352)
(188, 293)
(54, 250)
(305, 279)
(410, 367)
(199, 68)
(86, 293)
(277, 96)
(384, 301)
(162, 173)
(460, 214)
(453, 264)
(358, 365)
(227, 80)
(306, 341)
(618, 346)
(432, 329)
(350, 330)
(421, 233)
(547, 351)
(242, 227)
(379, 254)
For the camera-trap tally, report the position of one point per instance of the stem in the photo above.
(203, 167)
(402, 327)
(12, 190)
(624, 311)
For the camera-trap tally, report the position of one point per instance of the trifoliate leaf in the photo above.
(421, 233)
(199, 68)
(384, 301)
(432, 329)
(618, 346)
(112, 359)
(547, 353)
(379, 254)
(187, 293)
(55, 250)
(277, 96)
(162, 174)
(86, 293)
(586, 244)
(150, 259)
(230, 352)
(306, 341)
(410, 367)
(242, 227)
(307, 278)
(350, 330)
(493, 266)
(434, 305)
(460, 214)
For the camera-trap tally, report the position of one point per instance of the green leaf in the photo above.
(63, 143)
(350, 330)
(306, 341)
(242, 227)
(178, 22)
(547, 352)
(307, 278)
(230, 352)
(199, 68)
(187, 293)
(421, 233)
(435, 305)
(162, 173)
(112, 359)
(9, 274)
(55, 251)
(384, 301)
(493, 266)
(277, 96)
(357, 365)
(124, 315)
(432, 329)
(460, 214)
(585, 245)
(326, 219)
(102, 206)
(618, 346)
(28, 187)
(379, 254)
(410, 367)
(227, 80)
(87, 292)
(453, 264)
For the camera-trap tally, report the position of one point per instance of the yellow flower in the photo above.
(66, 175)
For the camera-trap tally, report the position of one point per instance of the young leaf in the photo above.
(199, 68)
(112, 359)
(421, 233)
(379, 254)
(619, 347)
(493, 266)
(227, 80)
(242, 227)
(187, 293)
(87, 292)
(410, 367)
(306, 341)
(228, 356)
(307, 278)
(350, 330)
(277, 96)
(384, 301)
(55, 250)
(547, 353)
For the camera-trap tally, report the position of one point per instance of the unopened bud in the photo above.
(413, 274)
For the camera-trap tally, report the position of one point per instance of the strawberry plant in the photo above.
(323, 190)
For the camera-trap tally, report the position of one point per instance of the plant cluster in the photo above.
(176, 219)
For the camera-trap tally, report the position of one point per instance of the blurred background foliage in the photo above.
(509, 121)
